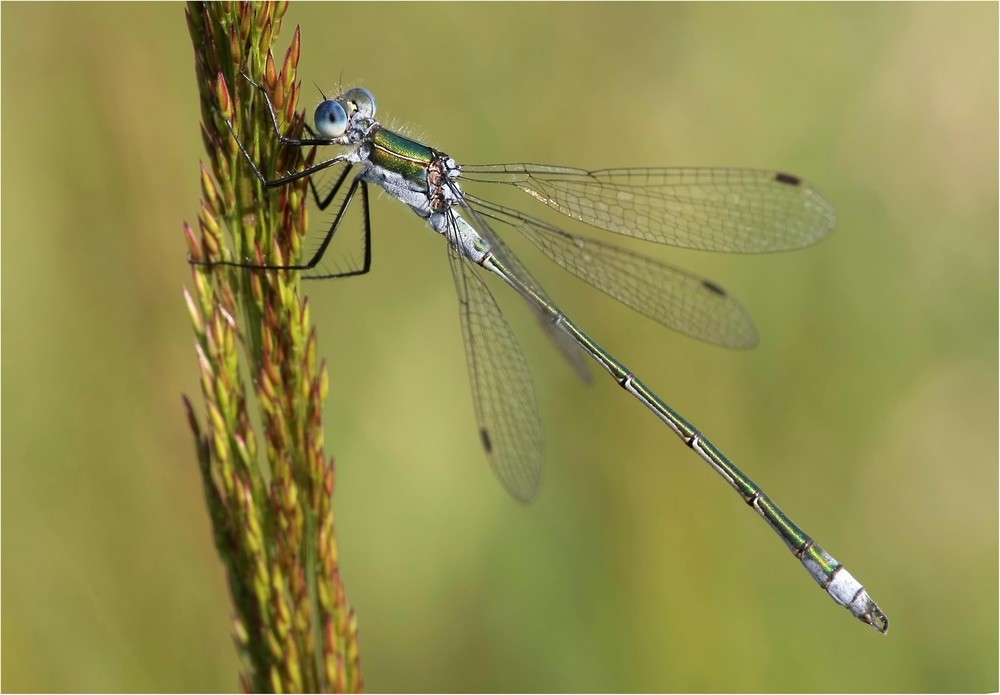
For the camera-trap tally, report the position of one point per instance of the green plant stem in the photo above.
(271, 510)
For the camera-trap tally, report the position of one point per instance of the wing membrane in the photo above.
(504, 398)
(711, 209)
(572, 352)
(668, 295)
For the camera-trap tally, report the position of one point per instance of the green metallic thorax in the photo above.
(398, 154)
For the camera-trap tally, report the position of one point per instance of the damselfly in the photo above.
(713, 209)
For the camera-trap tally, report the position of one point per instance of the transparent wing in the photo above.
(568, 347)
(711, 209)
(504, 398)
(572, 352)
(671, 296)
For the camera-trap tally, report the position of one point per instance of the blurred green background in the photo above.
(869, 410)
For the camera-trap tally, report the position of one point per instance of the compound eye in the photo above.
(330, 119)
(362, 100)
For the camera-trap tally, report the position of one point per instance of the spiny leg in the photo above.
(366, 220)
(318, 255)
(293, 142)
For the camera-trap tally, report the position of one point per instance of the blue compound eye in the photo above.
(330, 119)
(362, 100)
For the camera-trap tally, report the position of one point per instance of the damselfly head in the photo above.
(347, 118)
